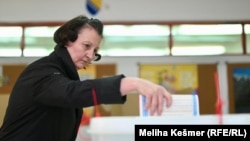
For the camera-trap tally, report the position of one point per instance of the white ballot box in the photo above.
(123, 128)
(184, 111)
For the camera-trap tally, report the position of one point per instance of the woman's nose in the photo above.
(91, 55)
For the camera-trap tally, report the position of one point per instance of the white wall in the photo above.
(126, 10)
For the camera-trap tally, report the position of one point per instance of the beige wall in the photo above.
(3, 105)
(131, 107)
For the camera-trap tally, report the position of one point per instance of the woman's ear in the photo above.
(68, 44)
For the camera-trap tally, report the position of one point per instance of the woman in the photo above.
(47, 100)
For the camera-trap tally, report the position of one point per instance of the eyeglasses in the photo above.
(97, 57)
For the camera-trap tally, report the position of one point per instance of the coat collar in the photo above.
(66, 62)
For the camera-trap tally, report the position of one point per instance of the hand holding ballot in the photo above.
(182, 105)
(154, 93)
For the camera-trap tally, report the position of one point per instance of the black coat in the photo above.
(47, 100)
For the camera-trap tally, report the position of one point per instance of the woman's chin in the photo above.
(81, 67)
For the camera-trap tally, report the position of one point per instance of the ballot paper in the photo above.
(182, 104)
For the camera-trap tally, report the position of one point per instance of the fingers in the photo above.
(154, 104)
(160, 104)
(156, 100)
(169, 100)
(156, 97)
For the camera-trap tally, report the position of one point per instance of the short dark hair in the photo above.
(69, 30)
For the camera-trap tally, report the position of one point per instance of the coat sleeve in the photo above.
(58, 90)
(108, 90)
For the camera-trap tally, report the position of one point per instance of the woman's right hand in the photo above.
(155, 94)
